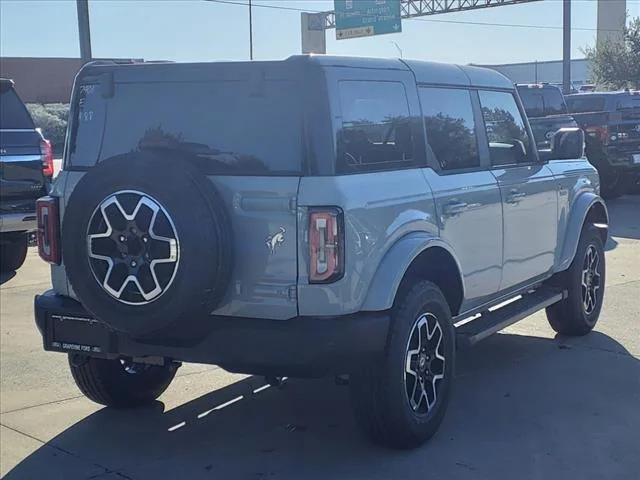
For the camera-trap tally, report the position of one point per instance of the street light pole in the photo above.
(250, 33)
(566, 47)
(84, 33)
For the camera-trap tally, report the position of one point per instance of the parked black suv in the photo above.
(547, 112)
(26, 168)
(611, 121)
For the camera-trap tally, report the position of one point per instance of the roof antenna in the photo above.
(397, 46)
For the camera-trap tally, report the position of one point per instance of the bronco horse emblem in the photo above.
(275, 240)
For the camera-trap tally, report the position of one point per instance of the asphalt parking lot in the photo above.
(527, 405)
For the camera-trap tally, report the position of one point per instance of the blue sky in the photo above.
(198, 30)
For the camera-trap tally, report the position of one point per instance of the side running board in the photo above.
(491, 322)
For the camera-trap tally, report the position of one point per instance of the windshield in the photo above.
(13, 113)
(586, 103)
(540, 102)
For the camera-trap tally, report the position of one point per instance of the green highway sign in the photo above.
(363, 18)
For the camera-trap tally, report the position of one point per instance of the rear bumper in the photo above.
(622, 159)
(301, 346)
(18, 222)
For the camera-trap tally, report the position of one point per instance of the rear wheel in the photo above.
(401, 400)
(584, 282)
(120, 383)
(13, 251)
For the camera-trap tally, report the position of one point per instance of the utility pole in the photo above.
(566, 47)
(250, 33)
(84, 34)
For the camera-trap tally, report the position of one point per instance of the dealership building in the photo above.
(549, 71)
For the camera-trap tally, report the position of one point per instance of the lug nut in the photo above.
(145, 239)
(133, 263)
(122, 239)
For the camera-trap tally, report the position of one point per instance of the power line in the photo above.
(512, 25)
(455, 22)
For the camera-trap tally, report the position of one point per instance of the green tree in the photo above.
(52, 119)
(616, 65)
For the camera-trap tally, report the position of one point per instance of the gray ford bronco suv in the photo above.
(313, 216)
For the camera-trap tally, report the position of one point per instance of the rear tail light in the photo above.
(47, 158)
(326, 245)
(48, 235)
(599, 132)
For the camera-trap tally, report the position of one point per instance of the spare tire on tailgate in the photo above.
(147, 243)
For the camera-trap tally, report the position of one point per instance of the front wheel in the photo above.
(401, 400)
(584, 281)
(120, 383)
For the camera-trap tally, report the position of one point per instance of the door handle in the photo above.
(515, 196)
(454, 208)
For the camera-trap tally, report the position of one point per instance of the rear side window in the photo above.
(13, 113)
(448, 117)
(540, 102)
(586, 103)
(629, 101)
(230, 127)
(375, 133)
(508, 140)
(532, 101)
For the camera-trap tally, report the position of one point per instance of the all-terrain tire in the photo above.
(380, 392)
(576, 315)
(13, 253)
(115, 383)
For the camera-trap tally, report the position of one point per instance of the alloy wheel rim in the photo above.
(424, 364)
(590, 280)
(133, 247)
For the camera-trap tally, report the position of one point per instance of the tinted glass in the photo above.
(532, 101)
(506, 132)
(629, 101)
(540, 102)
(234, 127)
(585, 103)
(553, 101)
(448, 117)
(376, 128)
(13, 113)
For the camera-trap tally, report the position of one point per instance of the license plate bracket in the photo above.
(66, 333)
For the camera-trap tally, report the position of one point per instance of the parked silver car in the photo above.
(318, 215)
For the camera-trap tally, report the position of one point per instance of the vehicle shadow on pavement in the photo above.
(523, 407)
(623, 217)
(6, 276)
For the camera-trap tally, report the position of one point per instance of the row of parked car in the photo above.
(314, 216)
(611, 121)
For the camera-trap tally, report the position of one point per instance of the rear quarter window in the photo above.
(231, 127)
(584, 104)
(13, 113)
(375, 130)
(541, 102)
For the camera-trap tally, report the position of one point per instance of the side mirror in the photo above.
(567, 143)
